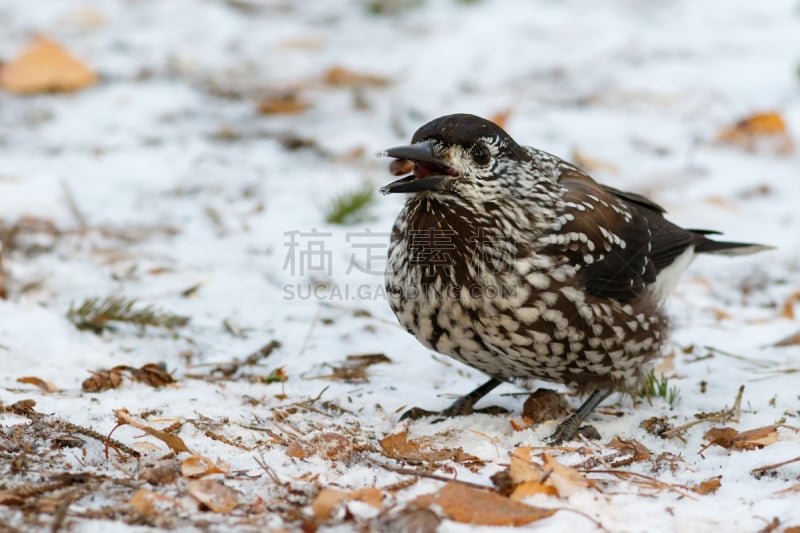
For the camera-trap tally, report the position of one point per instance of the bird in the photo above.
(519, 264)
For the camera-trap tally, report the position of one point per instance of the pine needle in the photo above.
(350, 207)
(95, 314)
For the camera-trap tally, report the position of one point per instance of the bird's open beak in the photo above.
(422, 151)
(425, 176)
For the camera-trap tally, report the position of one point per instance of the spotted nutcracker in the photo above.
(520, 265)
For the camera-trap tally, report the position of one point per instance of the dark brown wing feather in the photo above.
(647, 242)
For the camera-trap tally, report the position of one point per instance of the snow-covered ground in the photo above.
(164, 178)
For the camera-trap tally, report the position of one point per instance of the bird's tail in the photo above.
(704, 245)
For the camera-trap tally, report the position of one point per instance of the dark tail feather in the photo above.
(704, 245)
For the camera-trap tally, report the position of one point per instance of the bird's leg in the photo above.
(568, 428)
(461, 407)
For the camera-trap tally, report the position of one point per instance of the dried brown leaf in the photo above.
(326, 501)
(791, 340)
(634, 451)
(214, 495)
(424, 449)
(708, 486)
(45, 67)
(531, 488)
(46, 386)
(521, 468)
(501, 117)
(283, 104)
(342, 77)
(153, 375)
(11, 499)
(328, 445)
(144, 501)
(752, 439)
(103, 380)
(787, 310)
(199, 466)
(565, 479)
(412, 519)
(478, 507)
(173, 441)
(789, 490)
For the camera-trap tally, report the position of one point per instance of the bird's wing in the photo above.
(631, 241)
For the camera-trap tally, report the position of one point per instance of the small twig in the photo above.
(221, 438)
(653, 481)
(775, 465)
(720, 416)
(428, 475)
(752, 361)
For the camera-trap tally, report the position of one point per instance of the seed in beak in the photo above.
(399, 167)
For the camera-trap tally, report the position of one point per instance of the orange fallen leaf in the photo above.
(721, 314)
(326, 501)
(216, 496)
(708, 486)
(468, 505)
(788, 306)
(144, 501)
(524, 424)
(501, 118)
(173, 441)
(44, 67)
(198, 466)
(342, 77)
(282, 104)
(398, 446)
(46, 386)
(565, 479)
(768, 123)
(758, 130)
(521, 468)
(531, 488)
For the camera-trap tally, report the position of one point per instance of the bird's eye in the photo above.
(481, 155)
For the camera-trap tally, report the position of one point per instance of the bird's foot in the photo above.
(571, 428)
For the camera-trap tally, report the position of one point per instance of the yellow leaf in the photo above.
(44, 67)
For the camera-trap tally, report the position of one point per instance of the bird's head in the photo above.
(462, 155)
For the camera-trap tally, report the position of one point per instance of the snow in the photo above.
(645, 86)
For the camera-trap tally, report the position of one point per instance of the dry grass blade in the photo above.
(723, 415)
(775, 465)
